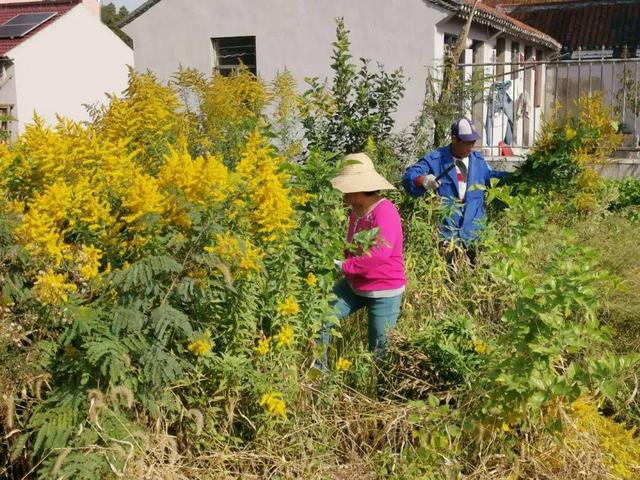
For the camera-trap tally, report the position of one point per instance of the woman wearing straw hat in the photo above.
(374, 279)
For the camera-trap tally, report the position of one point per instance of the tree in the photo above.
(111, 17)
(451, 77)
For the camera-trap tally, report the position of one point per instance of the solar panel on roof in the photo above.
(23, 23)
(30, 18)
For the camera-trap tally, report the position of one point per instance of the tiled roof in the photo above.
(590, 24)
(485, 15)
(489, 15)
(10, 10)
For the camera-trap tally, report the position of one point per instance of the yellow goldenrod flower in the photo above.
(481, 347)
(89, 261)
(343, 364)
(50, 288)
(274, 404)
(569, 133)
(236, 253)
(289, 306)
(285, 337)
(312, 280)
(142, 198)
(303, 198)
(200, 180)
(266, 185)
(202, 345)
(263, 347)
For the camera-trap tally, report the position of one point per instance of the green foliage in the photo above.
(431, 129)
(568, 150)
(628, 197)
(551, 347)
(112, 17)
(358, 106)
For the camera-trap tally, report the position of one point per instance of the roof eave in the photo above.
(137, 12)
(486, 18)
(463, 9)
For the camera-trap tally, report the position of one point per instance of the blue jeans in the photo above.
(382, 312)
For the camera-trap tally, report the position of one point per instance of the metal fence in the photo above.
(517, 97)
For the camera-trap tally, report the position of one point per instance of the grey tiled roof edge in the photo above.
(137, 12)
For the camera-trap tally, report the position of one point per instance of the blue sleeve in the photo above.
(421, 167)
(493, 173)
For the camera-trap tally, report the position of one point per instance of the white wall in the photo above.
(296, 34)
(74, 61)
(8, 94)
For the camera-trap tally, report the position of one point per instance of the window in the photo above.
(230, 52)
(6, 120)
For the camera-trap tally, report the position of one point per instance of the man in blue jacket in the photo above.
(459, 175)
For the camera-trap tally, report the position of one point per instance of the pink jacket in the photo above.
(382, 268)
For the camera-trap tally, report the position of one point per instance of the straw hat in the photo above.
(360, 176)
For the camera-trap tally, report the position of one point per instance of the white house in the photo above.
(269, 35)
(600, 52)
(55, 57)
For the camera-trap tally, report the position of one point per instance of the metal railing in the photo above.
(516, 98)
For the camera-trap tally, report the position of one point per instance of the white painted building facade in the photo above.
(62, 66)
(297, 35)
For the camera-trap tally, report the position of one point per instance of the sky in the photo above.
(130, 4)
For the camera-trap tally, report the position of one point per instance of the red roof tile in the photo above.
(588, 24)
(10, 10)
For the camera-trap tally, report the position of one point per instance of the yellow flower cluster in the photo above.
(481, 347)
(289, 306)
(285, 337)
(51, 288)
(202, 345)
(229, 101)
(145, 117)
(89, 261)
(620, 447)
(342, 364)
(311, 280)
(238, 253)
(274, 404)
(41, 230)
(264, 345)
(266, 185)
(200, 180)
(113, 191)
(142, 198)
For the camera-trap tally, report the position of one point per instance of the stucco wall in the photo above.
(8, 94)
(74, 61)
(296, 34)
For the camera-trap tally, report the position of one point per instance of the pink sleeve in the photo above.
(389, 229)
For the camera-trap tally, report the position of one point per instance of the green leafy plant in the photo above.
(358, 106)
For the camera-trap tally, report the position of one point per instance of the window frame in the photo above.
(227, 69)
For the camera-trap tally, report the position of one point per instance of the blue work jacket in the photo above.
(463, 220)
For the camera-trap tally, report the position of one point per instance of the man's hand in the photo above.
(430, 183)
(338, 265)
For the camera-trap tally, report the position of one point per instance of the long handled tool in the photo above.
(456, 163)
